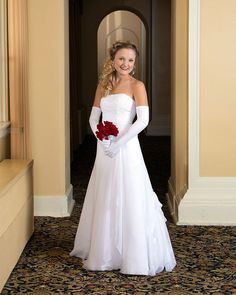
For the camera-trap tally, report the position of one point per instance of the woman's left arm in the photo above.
(140, 94)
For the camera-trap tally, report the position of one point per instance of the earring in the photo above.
(133, 71)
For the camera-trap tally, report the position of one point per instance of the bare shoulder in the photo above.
(138, 83)
(140, 93)
(98, 96)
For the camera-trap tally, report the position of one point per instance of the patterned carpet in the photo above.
(205, 255)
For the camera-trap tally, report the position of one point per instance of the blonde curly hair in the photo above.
(108, 73)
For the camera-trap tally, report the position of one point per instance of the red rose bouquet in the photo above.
(106, 130)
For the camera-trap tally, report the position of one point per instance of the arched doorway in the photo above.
(84, 21)
(155, 17)
(122, 25)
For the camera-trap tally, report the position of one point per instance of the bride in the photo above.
(122, 225)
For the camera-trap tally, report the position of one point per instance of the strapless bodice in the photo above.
(118, 108)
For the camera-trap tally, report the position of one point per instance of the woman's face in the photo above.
(124, 61)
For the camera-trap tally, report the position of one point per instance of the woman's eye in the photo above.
(131, 60)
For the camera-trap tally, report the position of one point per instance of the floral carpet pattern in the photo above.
(205, 256)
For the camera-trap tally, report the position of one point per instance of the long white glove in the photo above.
(94, 119)
(135, 129)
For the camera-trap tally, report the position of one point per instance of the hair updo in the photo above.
(108, 73)
(120, 45)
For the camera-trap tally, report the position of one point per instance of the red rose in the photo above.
(106, 129)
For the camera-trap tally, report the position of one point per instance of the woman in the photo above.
(122, 225)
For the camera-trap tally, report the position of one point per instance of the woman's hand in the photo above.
(112, 150)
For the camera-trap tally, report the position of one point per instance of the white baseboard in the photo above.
(55, 206)
(159, 126)
(208, 206)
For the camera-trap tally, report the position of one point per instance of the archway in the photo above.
(156, 19)
(84, 22)
(122, 25)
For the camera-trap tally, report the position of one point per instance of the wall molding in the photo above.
(173, 200)
(208, 206)
(209, 200)
(55, 206)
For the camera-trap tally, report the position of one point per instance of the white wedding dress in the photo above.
(122, 225)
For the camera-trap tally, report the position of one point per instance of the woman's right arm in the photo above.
(98, 96)
(96, 110)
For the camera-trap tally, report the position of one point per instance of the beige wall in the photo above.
(4, 120)
(218, 88)
(49, 95)
(179, 107)
(210, 197)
